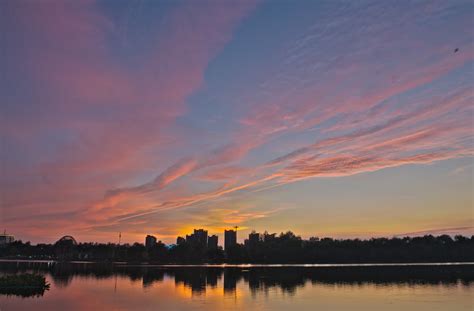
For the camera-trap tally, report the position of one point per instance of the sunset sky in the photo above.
(327, 118)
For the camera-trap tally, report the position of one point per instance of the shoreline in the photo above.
(246, 265)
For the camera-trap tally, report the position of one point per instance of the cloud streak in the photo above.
(106, 116)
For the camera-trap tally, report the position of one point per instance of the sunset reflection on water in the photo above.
(90, 287)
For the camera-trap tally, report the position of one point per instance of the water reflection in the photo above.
(257, 279)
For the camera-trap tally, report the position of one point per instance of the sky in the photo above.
(328, 118)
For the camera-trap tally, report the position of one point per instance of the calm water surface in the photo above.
(118, 287)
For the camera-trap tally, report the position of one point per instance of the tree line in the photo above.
(270, 248)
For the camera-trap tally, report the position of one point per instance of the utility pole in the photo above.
(117, 250)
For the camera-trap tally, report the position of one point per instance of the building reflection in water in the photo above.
(258, 279)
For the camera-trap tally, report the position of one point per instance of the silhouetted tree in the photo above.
(270, 248)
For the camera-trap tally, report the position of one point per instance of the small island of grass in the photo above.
(25, 285)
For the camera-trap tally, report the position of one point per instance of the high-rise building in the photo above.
(253, 240)
(189, 238)
(212, 242)
(201, 237)
(254, 237)
(230, 239)
(150, 241)
(198, 238)
(6, 239)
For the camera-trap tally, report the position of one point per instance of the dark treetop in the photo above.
(269, 248)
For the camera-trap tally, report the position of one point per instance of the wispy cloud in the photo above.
(104, 130)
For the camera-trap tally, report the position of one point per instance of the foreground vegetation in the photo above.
(24, 285)
(270, 248)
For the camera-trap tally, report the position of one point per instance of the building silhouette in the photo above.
(198, 238)
(150, 241)
(212, 242)
(6, 239)
(252, 241)
(230, 239)
(180, 240)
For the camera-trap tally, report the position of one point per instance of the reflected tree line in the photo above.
(258, 279)
(268, 248)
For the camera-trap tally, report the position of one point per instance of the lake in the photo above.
(89, 286)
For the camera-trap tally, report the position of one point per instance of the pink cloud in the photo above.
(116, 122)
(224, 173)
(67, 54)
